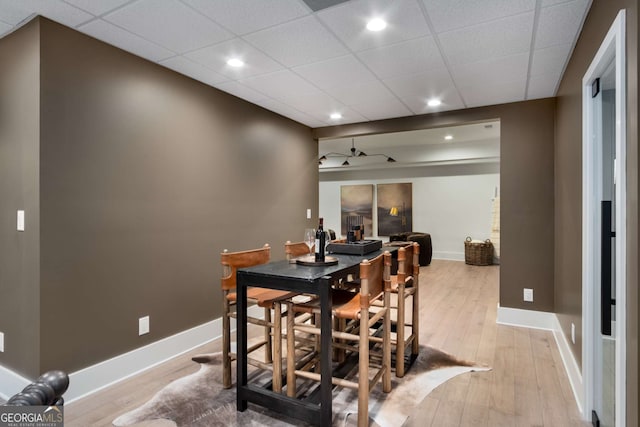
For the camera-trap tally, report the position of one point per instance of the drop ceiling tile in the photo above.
(543, 85)
(560, 23)
(335, 72)
(354, 117)
(280, 84)
(348, 116)
(348, 21)
(97, 7)
(4, 28)
(125, 40)
(286, 111)
(447, 15)
(241, 91)
(418, 104)
(503, 37)
(361, 92)
(317, 103)
(550, 60)
(216, 56)
(169, 23)
(382, 110)
(427, 84)
(480, 95)
(194, 70)
(15, 11)
(546, 3)
(492, 71)
(298, 42)
(247, 16)
(405, 58)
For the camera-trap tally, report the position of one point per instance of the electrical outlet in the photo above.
(143, 325)
(1, 342)
(528, 295)
(573, 332)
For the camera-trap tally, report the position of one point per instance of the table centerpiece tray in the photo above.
(359, 247)
(310, 260)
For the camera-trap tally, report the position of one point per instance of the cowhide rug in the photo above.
(199, 400)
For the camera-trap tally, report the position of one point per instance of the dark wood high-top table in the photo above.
(304, 279)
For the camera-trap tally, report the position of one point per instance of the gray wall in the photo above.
(19, 152)
(568, 186)
(146, 176)
(526, 189)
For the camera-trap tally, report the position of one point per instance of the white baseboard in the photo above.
(570, 365)
(548, 321)
(103, 374)
(11, 383)
(525, 318)
(451, 256)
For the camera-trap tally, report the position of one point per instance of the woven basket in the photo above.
(477, 252)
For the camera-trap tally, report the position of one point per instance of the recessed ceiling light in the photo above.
(434, 102)
(235, 62)
(335, 116)
(376, 24)
(448, 137)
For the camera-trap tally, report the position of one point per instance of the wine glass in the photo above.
(310, 238)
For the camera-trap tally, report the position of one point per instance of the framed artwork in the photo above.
(356, 204)
(395, 208)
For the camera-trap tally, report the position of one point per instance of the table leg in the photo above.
(326, 412)
(241, 344)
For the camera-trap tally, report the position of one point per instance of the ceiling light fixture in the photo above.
(335, 116)
(434, 102)
(376, 24)
(354, 153)
(235, 62)
(448, 137)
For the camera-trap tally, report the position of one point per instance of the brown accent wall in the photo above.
(526, 189)
(145, 177)
(568, 196)
(19, 152)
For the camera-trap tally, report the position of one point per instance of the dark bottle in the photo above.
(320, 242)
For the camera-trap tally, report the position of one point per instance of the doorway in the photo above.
(604, 231)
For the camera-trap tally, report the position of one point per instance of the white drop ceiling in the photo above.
(306, 65)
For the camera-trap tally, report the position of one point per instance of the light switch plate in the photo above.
(1, 342)
(20, 220)
(143, 325)
(308, 213)
(528, 295)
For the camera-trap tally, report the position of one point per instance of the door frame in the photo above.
(612, 47)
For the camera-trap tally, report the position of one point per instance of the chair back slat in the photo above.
(296, 249)
(232, 261)
(408, 262)
(374, 278)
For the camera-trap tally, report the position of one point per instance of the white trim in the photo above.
(11, 383)
(525, 318)
(548, 321)
(571, 366)
(612, 45)
(106, 373)
(621, 221)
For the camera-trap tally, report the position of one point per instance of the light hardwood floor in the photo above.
(527, 385)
